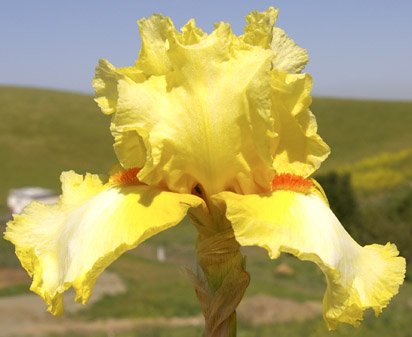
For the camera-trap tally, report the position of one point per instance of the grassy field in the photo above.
(45, 132)
(356, 129)
(381, 173)
(394, 325)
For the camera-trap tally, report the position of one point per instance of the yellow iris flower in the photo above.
(216, 126)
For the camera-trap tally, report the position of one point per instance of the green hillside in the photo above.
(45, 132)
(356, 129)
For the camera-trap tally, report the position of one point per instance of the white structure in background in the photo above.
(161, 254)
(19, 198)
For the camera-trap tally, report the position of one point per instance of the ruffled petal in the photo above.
(191, 34)
(207, 122)
(303, 225)
(258, 30)
(105, 83)
(289, 57)
(209, 110)
(153, 59)
(128, 144)
(70, 243)
(300, 149)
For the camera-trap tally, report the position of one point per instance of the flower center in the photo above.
(292, 182)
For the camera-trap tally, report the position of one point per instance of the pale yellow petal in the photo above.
(289, 57)
(209, 110)
(303, 225)
(191, 34)
(105, 83)
(129, 146)
(70, 243)
(208, 121)
(153, 59)
(258, 30)
(300, 150)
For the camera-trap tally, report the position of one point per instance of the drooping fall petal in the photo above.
(303, 225)
(70, 243)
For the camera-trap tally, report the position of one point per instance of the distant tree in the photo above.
(342, 199)
(404, 209)
(379, 218)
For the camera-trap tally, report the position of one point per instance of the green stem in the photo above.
(221, 278)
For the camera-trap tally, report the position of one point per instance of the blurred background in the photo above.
(360, 54)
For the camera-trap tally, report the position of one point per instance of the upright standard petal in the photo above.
(241, 114)
(105, 84)
(206, 121)
(259, 27)
(153, 58)
(300, 149)
(289, 57)
(297, 222)
(72, 242)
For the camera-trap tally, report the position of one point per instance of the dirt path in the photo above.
(111, 327)
(262, 309)
(25, 315)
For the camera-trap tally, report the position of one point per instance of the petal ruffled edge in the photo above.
(105, 83)
(301, 150)
(301, 224)
(70, 243)
(154, 32)
(289, 57)
(259, 27)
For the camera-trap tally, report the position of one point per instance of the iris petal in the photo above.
(289, 57)
(258, 30)
(153, 58)
(303, 225)
(207, 122)
(300, 149)
(72, 242)
(105, 84)
(214, 110)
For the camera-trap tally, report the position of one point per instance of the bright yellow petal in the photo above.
(72, 242)
(303, 225)
(289, 57)
(300, 150)
(207, 122)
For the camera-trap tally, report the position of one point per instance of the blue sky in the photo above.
(360, 49)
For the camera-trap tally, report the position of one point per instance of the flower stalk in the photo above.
(221, 279)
